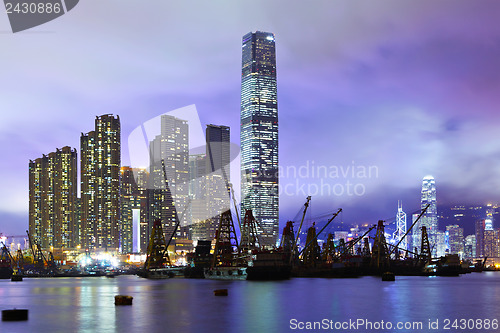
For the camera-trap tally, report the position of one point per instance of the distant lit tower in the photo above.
(401, 228)
(429, 219)
(480, 226)
(259, 133)
(488, 222)
(456, 239)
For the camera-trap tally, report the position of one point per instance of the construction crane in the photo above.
(157, 256)
(380, 252)
(295, 246)
(249, 237)
(226, 242)
(344, 250)
(313, 238)
(40, 262)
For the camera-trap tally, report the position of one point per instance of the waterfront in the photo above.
(185, 305)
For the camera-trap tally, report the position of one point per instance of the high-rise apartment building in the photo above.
(53, 199)
(259, 133)
(100, 184)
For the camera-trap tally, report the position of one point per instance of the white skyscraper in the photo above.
(401, 228)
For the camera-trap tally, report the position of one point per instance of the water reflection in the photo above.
(182, 305)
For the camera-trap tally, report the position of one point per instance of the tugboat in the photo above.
(227, 264)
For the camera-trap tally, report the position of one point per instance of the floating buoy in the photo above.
(16, 277)
(123, 300)
(388, 276)
(220, 292)
(15, 315)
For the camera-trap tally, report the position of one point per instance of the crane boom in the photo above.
(326, 225)
(408, 231)
(300, 226)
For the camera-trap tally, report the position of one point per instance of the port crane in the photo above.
(295, 245)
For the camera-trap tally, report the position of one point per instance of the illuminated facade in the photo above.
(429, 219)
(490, 243)
(100, 184)
(259, 133)
(53, 200)
(168, 189)
(470, 247)
(456, 239)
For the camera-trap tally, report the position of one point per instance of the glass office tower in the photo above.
(259, 133)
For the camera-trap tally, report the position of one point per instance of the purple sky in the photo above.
(410, 88)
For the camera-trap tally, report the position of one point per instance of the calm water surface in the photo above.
(182, 305)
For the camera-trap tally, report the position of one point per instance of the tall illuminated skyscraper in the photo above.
(100, 184)
(259, 133)
(429, 219)
(52, 199)
(168, 189)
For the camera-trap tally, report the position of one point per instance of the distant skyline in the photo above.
(408, 88)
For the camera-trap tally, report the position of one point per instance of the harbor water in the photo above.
(189, 305)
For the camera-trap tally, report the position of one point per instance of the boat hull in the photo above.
(282, 272)
(157, 273)
(5, 272)
(226, 273)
